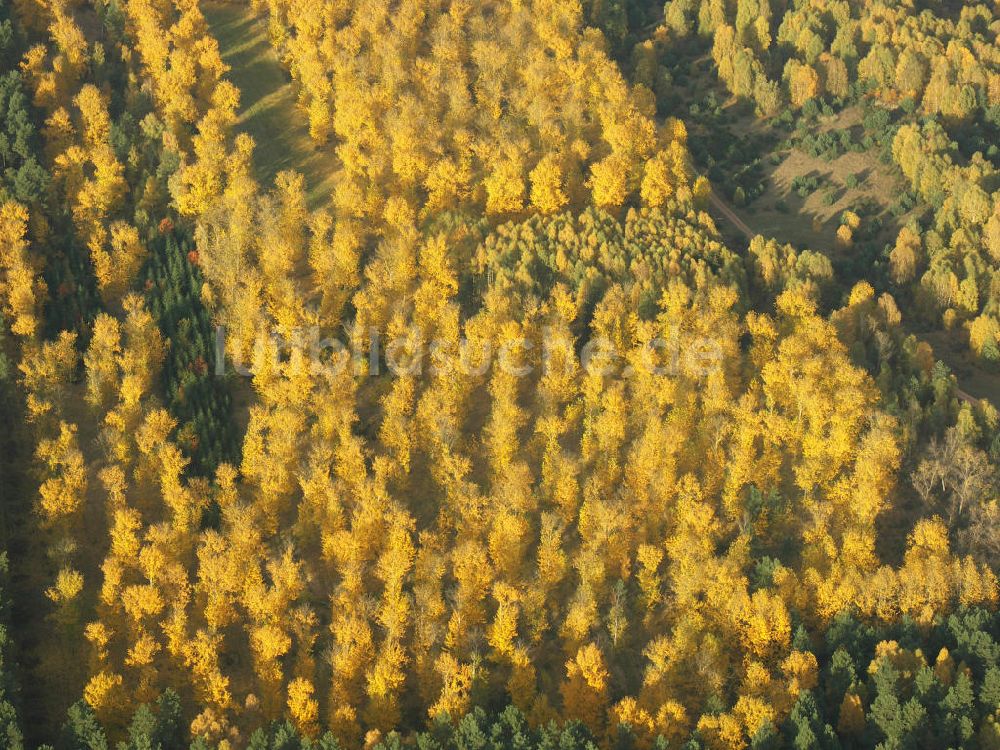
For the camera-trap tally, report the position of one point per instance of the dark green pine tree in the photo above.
(957, 712)
(81, 730)
(989, 691)
(896, 723)
(806, 727)
(766, 738)
(281, 735)
(974, 643)
(159, 730)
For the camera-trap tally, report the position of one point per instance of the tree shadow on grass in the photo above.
(269, 109)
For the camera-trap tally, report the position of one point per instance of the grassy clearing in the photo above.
(269, 108)
(812, 222)
(733, 146)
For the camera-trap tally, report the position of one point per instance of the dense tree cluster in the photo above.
(951, 255)
(440, 105)
(881, 686)
(602, 525)
(200, 401)
(591, 252)
(775, 52)
(898, 62)
(530, 456)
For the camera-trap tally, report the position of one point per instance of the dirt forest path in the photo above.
(268, 106)
(721, 206)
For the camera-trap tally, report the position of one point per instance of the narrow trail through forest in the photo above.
(731, 217)
(268, 108)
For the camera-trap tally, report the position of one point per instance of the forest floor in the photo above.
(269, 106)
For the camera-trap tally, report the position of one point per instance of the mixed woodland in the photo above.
(781, 528)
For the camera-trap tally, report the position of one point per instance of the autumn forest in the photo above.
(499, 374)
